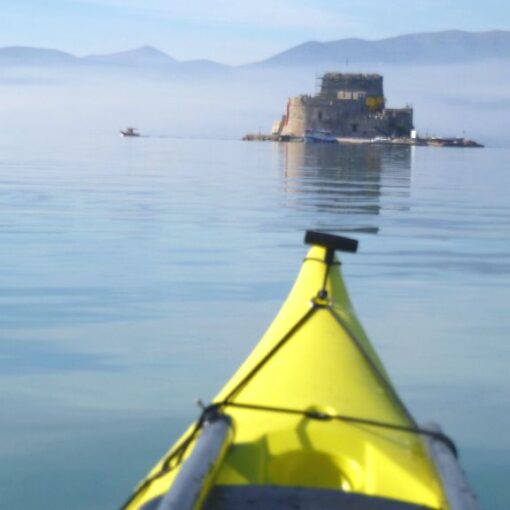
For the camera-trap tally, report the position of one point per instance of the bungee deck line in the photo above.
(320, 301)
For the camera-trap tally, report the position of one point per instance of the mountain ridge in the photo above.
(137, 56)
(447, 46)
(444, 47)
(23, 55)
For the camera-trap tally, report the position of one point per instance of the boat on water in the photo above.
(310, 421)
(319, 136)
(381, 140)
(129, 132)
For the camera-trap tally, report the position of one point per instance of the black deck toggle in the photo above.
(330, 241)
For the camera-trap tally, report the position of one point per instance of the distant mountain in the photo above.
(144, 56)
(25, 56)
(428, 48)
(452, 46)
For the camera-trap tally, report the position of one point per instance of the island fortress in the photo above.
(348, 105)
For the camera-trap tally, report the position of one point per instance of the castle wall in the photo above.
(332, 83)
(400, 120)
(344, 119)
(296, 122)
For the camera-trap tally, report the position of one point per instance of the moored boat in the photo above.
(381, 140)
(310, 420)
(129, 132)
(319, 136)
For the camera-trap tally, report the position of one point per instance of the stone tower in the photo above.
(348, 105)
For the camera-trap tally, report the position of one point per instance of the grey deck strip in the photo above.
(291, 498)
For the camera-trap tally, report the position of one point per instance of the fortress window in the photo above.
(354, 128)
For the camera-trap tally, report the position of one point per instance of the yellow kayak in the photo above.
(310, 420)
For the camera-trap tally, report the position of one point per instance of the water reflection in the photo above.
(347, 184)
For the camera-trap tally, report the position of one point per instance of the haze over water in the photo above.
(137, 274)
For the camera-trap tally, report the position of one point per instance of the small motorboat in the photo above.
(129, 132)
(310, 421)
(382, 140)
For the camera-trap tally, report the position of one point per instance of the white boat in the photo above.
(129, 132)
(319, 136)
(381, 140)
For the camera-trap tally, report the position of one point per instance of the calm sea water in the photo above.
(135, 276)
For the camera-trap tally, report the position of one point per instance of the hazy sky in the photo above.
(230, 31)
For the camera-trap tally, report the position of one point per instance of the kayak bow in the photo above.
(310, 420)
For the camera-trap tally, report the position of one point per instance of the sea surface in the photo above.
(136, 274)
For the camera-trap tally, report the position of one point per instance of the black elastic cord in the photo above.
(272, 352)
(328, 260)
(380, 376)
(316, 259)
(316, 415)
